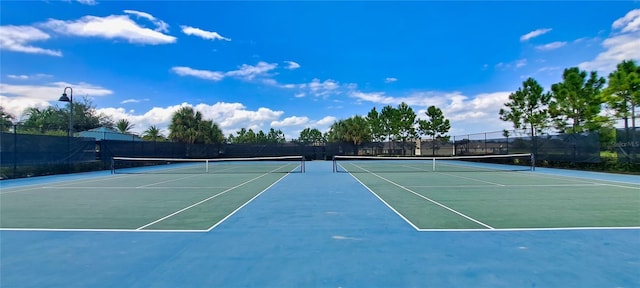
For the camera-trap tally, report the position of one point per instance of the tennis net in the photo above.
(135, 165)
(369, 164)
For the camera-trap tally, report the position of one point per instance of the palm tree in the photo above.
(357, 130)
(41, 121)
(153, 134)
(210, 132)
(354, 130)
(5, 120)
(124, 126)
(184, 125)
(337, 132)
(187, 126)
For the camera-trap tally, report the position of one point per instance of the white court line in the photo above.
(497, 230)
(415, 168)
(130, 188)
(558, 185)
(166, 181)
(469, 178)
(21, 190)
(507, 186)
(202, 201)
(530, 229)
(99, 230)
(39, 186)
(155, 170)
(581, 181)
(428, 199)
(621, 184)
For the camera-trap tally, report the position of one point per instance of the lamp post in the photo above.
(69, 99)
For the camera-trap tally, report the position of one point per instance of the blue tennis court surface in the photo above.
(319, 229)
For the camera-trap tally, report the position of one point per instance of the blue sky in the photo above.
(293, 65)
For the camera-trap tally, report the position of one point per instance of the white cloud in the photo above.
(110, 27)
(375, 97)
(521, 63)
(17, 98)
(292, 126)
(18, 77)
(512, 65)
(134, 101)
(249, 72)
(467, 114)
(628, 23)
(424, 98)
(390, 80)
(157, 116)
(473, 114)
(88, 2)
(623, 45)
(292, 65)
(16, 106)
(245, 72)
(551, 46)
(326, 121)
(290, 121)
(270, 82)
(233, 116)
(203, 74)
(616, 49)
(534, 33)
(549, 69)
(324, 88)
(28, 77)
(160, 25)
(202, 33)
(230, 117)
(18, 38)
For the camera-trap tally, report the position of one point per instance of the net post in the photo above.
(113, 166)
(533, 162)
(302, 163)
(206, 163)
(433, 168)
(335, 167)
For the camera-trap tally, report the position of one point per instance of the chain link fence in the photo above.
(25, 154)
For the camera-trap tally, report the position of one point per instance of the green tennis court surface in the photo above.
(133, 201)
(181, 198)
(487, 199)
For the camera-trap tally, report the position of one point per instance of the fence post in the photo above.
(15, 150)
(454, 146)
(485, 144)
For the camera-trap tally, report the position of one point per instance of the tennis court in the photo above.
(176, 194)
(385, 227)
(461, 195)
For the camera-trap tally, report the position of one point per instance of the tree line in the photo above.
(573, 105)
